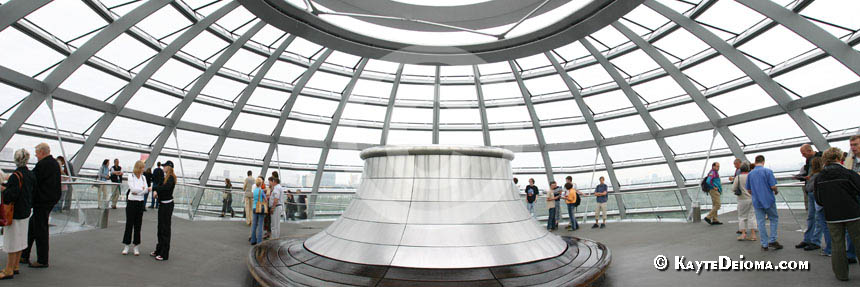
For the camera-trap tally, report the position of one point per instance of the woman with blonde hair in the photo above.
(164, 193)
(260, 210)
(137, 188)
(18, 189)
(746, 218)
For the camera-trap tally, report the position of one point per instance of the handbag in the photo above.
(7, 210)
(262, 205)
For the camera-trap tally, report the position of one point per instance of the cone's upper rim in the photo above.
(390, 150)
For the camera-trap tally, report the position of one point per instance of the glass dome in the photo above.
(643, 101)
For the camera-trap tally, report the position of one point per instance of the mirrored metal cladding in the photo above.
(436, 207)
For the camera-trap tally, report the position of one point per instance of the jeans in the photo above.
(813, 233)
(760, 213)
(550, 221)
(571, 213)
(822, 225)
(531, 208)
(257, 228)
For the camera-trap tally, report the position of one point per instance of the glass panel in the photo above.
(193, 141)
(357, 135)
(768, 129)
(243, 148)
(411, 115)
(572, 51)
(590, 76)
(255, 123)
(298, 154)
(494, 68)
(457, 93)
(176, 73)
(605, 102)
(681, 44)
(244, 61)
(646, 17)
(501, 91)
(527, 160)
(372, 88)
(741, 17)
(679, 116)
(459, 116)
(415, 92)
(695, 142)
(409, 137)
(564, 134)
(789, 43)
(545, 85)
(513, 137)
(303, 130)
(223, 88)
(508, 114)
(533, 62)
(835, 12)
(328, 82)
(19, 141)
(205, 45)
(206, 115)
(609, 37)
(268, 35)
(31, 57)
(303, 47)
(381, 66)
(574, 158)
(69, 117)
(284, 72)
(820, 76)
(635, 63)
(126, 52)
(663, 88)
(833, 115)
(67, 19)
(622, 126)
(10, 96)
(364, 112)
(752, 97)
(634, 151)
(461, 138)
(714, 72)
(558, 110)
(644, 176)
(153, 102)
(314, 106)
(344, 157)
(264, 97)
(132, 130)
(81, 81)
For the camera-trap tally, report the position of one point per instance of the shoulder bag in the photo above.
(7, 210)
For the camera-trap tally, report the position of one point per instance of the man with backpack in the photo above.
(45, 196)
(572, 198)
(712, 186)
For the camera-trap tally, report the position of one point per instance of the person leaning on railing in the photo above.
(227, 199)
(837, 190)
(104, 175)
(291, 206)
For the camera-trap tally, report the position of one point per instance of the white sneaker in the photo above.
(125, 250)
(136, 250)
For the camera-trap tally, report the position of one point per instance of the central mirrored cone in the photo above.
(436, 207)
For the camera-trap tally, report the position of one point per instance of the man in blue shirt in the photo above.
(762, 186)
(600, 192)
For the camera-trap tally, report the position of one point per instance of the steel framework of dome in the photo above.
(637, 101)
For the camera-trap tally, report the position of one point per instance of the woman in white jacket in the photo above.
(134, 208)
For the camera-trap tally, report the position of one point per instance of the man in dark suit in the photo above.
(157, 179)
(45, 196)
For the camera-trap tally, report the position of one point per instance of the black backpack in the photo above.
(705, 186)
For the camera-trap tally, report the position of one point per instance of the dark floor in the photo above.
(212, 253)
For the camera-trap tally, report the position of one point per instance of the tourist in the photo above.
(267, 218)
(715, 191)
(291, 206)
(276, 206)
(134, 207)
(812, 235)
(157, 179)
(19, 192)
(248, 195)
(572, 198)
(65, 202)
(808, 154)
(836, 189)
(259, 210)
(531, 195)
(737, 163)
(115, 177)
(147, 174)
(302, 204)
(551, 198)
(45, 196)
(852, 161)
(745, 217)
(762, 186)
(227, 199)
(601, 193)
(164, 192)
(104, 175)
